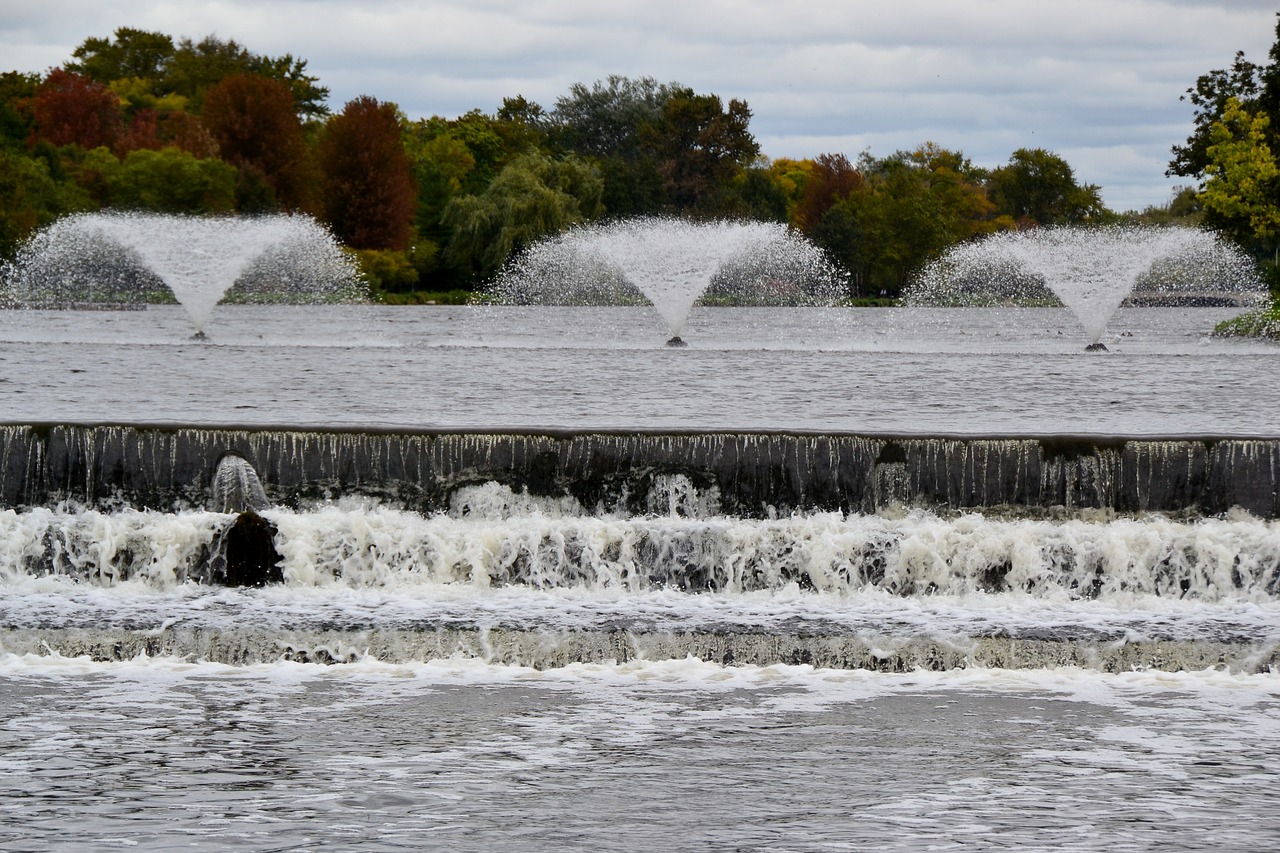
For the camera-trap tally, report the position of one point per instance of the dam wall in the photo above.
(752, 474)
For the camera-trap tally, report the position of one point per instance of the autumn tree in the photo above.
(830, 178)
(255, 124)
(885, 218)
(73, 110)
(367, 190)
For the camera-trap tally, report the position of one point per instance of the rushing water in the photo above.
(535, 673)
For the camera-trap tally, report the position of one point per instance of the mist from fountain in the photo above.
(1089, 270)
(671, 263)
(129, 258)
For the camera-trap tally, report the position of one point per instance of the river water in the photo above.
(530, 673)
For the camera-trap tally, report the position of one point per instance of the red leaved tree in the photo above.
(74, 110)
(367, 189)
(834, 178)
(255, 123)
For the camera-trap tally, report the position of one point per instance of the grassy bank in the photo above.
(426, 297)
(1260, 323)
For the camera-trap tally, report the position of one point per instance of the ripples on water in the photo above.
(956, 371)
(466, 756)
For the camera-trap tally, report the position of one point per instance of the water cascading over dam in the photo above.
(749, 474)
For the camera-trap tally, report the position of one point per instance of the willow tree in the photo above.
(532, 197)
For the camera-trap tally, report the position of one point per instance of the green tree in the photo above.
(757, 194)
(16, 123)
(173, 181)
(659, 147)
(1255, 88)
(367, 191)
(30, 198)
(700, 145)
(188, 68)
(534, 196)
(1233, 148)
(604, 120)
(1038, 187)
(132, 53)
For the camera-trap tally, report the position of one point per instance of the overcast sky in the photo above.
(1096, 81)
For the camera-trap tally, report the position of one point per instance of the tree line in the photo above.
(141, 120)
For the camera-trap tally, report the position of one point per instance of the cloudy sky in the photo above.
(1096, 81)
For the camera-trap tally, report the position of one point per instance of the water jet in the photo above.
(1091, 271)
(131, 258)
(672, 264)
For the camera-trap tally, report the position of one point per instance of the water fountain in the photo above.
(116, 258)
(672, 263)
(1090, 271)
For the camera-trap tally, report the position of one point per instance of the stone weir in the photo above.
(749, 474)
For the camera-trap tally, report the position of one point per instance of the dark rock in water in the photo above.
(1096, 348)
(677, 341)
(236, 486)
(245, 553)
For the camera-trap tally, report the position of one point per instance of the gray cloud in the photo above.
(1097, 81)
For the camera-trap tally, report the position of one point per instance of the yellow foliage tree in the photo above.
(1240, 192)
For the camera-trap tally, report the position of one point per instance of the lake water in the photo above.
(529, 673)
(953, 371)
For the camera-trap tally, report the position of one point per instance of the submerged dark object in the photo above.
(1096, 347)
(676, 341)
(244, 553)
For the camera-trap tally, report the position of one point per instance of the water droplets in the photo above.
(1091, 271)
(672, 264)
